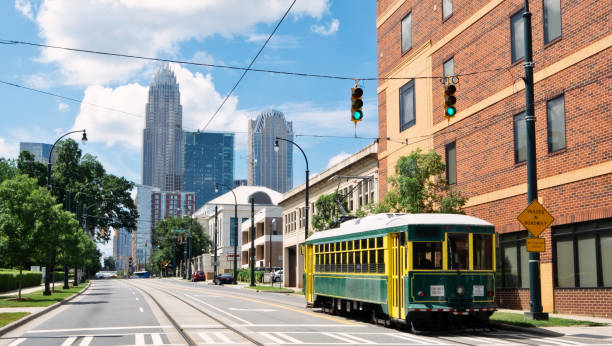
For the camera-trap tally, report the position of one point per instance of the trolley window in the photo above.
(458, 252)
(483, 251)
(427, 255)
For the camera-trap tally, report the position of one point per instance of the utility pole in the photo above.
(535, 294)
(215, 236)
(252, 250)
(189, 245)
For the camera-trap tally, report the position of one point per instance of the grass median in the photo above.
(271, 289)
(8, 317)
(37, 299)
(517, 319)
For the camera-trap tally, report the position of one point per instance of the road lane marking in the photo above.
(86, 341)
(140, 308)
(220, 310)
(299, 325)
(137, 299)
(485, 340)
(16, 342)
(139, 339)
(273, 338)
(202, 326)
(283, 307)
(253, 310)
(420, 341)
(157, 340)
(69, 341)
(99, 328)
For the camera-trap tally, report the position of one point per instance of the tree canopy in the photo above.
(419, 186)
(327, 211)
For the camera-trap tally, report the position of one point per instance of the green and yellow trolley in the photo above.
(405, 267)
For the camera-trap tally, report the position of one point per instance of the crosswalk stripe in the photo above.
(86, 341)
(481, 340)
(206, 338)
(16, 342)
(419, 341)
(140, 339)
(157, 340)
(360, 340)
(69, 341)
(223, 337)
(272, 337)
(339, 337)
(559, 342)
(289, 338)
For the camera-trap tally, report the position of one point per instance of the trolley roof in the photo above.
(384, 223)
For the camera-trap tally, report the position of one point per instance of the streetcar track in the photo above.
(195, 307)
(175, 324)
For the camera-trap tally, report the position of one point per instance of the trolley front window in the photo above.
(483, 251)
(458, 252)
(427, 255)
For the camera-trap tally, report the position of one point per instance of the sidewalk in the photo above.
(596, 333)
(32, 289)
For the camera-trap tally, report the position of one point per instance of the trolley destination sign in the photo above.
(535, 218)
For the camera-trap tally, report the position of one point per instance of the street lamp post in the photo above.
(215, 263)
(47, 291)
(252, 236)
(235, 228)
(276, 147)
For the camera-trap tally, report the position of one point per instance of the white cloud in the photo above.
(148, 28)
(333, 27)
(37, 81)
(336, 159)
(8, 149)
(63, 107)
(25, 7)
(277, 41)
(198, 98)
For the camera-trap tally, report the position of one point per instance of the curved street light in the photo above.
(235, 227)
(47, 291)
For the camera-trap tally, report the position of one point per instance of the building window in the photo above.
(407, 33)
(517, 34)
(555, 115)
(552, 20)
(407, 113)
(513, 261)
(580, 254)
(520, 138)
(447, 8)
(451, 163)
(449, 67)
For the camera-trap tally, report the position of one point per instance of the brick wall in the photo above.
(588, 302)
(517, 299)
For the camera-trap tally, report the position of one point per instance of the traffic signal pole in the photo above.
(535, 295)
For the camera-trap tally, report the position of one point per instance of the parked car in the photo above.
(224, 278)
(198, 276)
(278, 275)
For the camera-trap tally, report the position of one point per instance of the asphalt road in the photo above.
(125, 312)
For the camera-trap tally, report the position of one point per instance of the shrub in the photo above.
(245, 275)
(9, 279)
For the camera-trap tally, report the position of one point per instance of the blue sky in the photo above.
(323, 37)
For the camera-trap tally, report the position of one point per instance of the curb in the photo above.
(11, 326)
(534, 330)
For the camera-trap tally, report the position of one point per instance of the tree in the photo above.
(109, 263)
(100, 200)
(419, 186)
(27, 164)
(22, 222)
(327, 211)
(165, 245)
(8, 169)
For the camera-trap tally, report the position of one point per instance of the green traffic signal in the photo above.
(357, 115)
(451, 111)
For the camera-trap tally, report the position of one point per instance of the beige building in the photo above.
(343, 177)
(268, 238)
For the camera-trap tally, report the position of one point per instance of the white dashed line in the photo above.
(140, 308)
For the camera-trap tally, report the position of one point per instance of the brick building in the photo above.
(484, 145)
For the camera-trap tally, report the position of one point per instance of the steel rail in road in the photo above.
(195, 307)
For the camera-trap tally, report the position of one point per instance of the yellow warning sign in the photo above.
(164, 263)
(536, 245)
(535, 218)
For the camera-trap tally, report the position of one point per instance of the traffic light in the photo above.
(181, 242)
(116, 233)
(130, 261)
(102, 233)
(356, 104)
(449, 100)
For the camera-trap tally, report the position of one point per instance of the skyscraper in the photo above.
(39, 150)
(209, 159)
(267, 167)
(162, 163)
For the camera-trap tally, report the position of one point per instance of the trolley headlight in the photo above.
(460, 290)
(421, 294)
